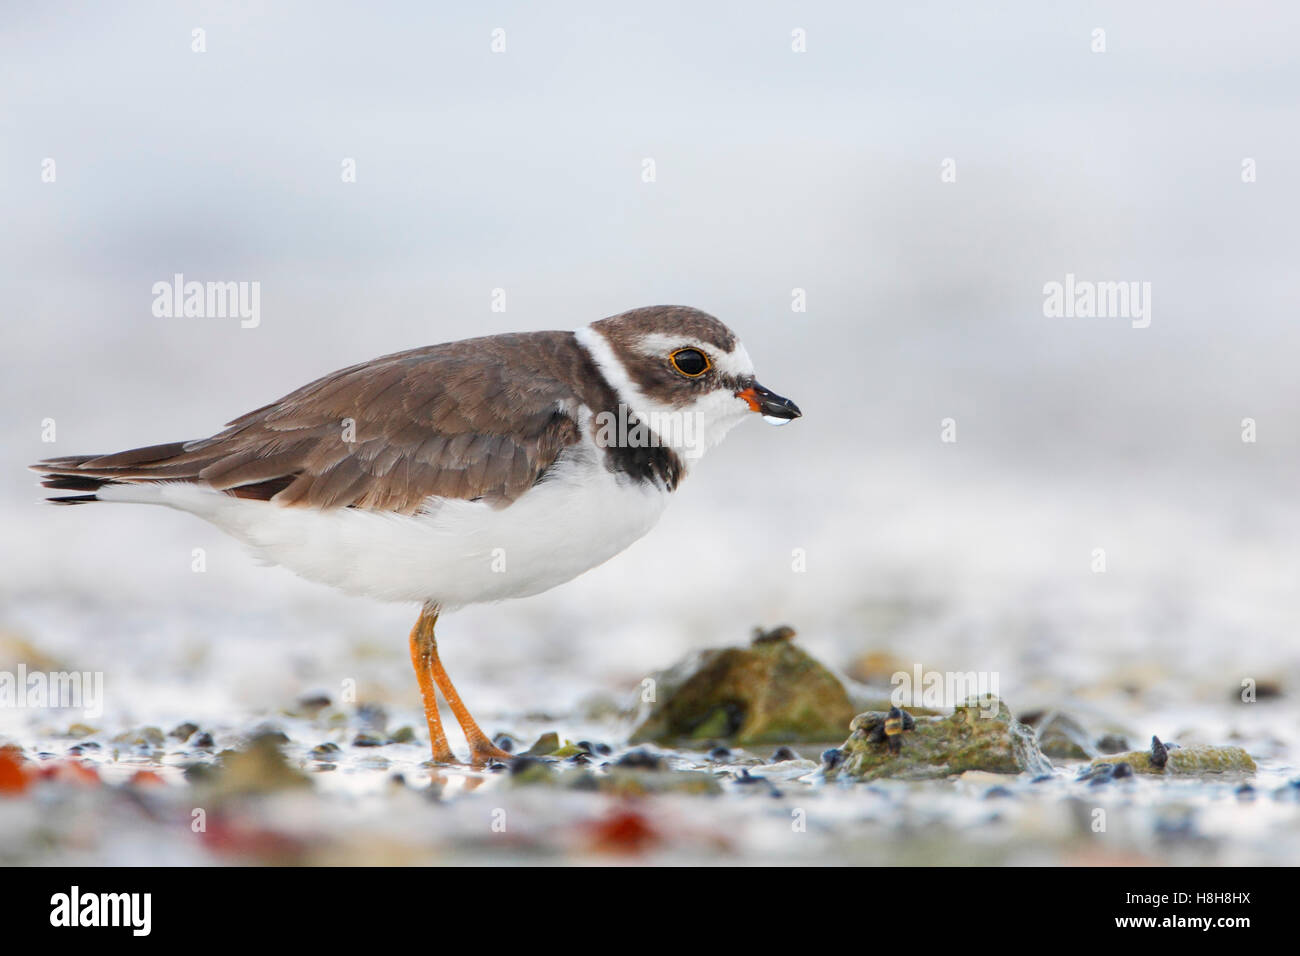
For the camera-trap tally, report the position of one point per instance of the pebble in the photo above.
(745, 778)
(312, 704)
(782, 754)
(640, 760)
(271, 731)
(523, 764)
(1112, 744)
(1097, 775)
(547, 743)
(402, 735)
(184, 731)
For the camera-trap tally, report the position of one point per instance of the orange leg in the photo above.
(480, 747)
(424, 650)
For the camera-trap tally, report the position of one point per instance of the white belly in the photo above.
(461, 552)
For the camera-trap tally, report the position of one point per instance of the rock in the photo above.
(1184, 761)
(980, 734)
(770, 692)
(259, 768)
(640, 760)
(546, 744)
(185, 731)
(752, 782)
(309, 705)
(1060, 735)
(570, 749)
(272, 732)
(1112, 743)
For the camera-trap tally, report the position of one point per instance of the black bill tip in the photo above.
(774, 408)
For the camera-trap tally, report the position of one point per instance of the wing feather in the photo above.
(462, 420)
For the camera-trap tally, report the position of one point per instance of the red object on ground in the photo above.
(14, 776)
(70, 771)
(623, 831)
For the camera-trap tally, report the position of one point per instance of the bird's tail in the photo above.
(87, 474)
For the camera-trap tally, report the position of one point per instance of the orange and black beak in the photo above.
(774, 409)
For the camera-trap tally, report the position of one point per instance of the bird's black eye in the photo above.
(690, 362)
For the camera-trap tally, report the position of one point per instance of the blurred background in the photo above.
(775, 171)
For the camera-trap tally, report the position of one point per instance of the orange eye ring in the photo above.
(690, 362)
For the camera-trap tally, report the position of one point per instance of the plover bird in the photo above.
(454, 474)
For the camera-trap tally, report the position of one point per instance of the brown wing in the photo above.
(463, 420)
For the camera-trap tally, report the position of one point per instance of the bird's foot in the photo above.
(484, 752)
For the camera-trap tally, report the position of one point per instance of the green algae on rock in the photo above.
(770, 692)
(1191, 760)
(980, 734)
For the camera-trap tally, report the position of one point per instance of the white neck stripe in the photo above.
(602, 353)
